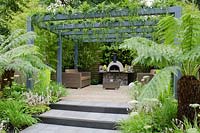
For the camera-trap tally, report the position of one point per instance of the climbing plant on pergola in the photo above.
(68, 26)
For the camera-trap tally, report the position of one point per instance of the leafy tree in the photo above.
(7, 8)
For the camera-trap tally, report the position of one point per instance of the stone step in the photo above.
(49, 128)
(87, 106)
(82, 119)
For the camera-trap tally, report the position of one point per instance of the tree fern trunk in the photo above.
(188, 93)
(7, 78)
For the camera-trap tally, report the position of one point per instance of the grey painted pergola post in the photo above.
(29, 81)
(76, 56)
(178, 76)
(59, 59)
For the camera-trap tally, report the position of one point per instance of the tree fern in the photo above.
(15, 54)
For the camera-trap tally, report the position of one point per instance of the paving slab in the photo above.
(94, 104)
(88, 116)
(50, 128)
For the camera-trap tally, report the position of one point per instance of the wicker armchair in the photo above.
(71, 78)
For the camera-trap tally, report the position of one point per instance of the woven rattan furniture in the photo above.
(71, 78)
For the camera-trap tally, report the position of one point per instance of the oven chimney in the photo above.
(114, 57)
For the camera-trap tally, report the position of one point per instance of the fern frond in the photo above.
(151, 53)
(168, 29)
(159, 83)
(21, 39)
(22, 66)
(15, 54)
(15, 34)
(191, 35)
(21, 51)
(37, 62)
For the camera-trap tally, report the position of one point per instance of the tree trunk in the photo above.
(188, 93)
(7, 78)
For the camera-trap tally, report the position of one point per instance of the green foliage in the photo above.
(159, 84)
(125, 56)
(16, 55)
(37, 109)
(150, 53)
(14, 111)
(152, 122)
(163, 116)
(137, 124)
(7, 8)
(43, 79)
(136, 90)
(187, 35)
(88, 56)
(188, 126)
(14, 92)
(47, 42)
(164, 3)
(171, 26)
(54, 91)
(58, 90)
(169, 55)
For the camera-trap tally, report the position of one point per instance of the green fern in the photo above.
(191, 34)
(15, 54)
(185, 32)
(159, 84)
(152, 54)
(168, 29)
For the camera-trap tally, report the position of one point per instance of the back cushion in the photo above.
(71, 70)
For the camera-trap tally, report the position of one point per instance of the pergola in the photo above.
(110, 31)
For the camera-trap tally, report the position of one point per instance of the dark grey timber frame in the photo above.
(129, 27)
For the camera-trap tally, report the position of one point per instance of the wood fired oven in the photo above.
(115, 75)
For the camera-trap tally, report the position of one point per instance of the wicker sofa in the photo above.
(71, 78)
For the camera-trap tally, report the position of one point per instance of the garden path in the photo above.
(97, 93)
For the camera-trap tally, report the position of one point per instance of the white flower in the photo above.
(133, 102)
(134, 114)
(192, 130)
(147, 127)
(131, 85)
(195, 105)
(148, 3)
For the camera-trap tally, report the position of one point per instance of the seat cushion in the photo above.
(85, 77)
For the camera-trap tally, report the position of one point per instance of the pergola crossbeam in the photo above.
(109, 31)
(109, 36)
(100, 25)
(113, 13)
